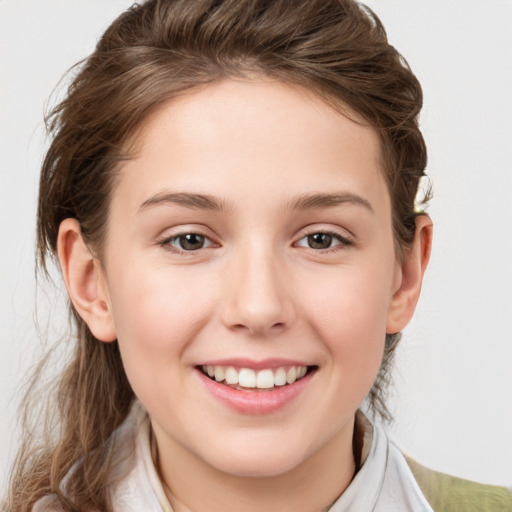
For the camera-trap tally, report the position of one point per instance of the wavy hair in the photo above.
(151, 53)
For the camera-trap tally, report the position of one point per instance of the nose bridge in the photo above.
(259, 297)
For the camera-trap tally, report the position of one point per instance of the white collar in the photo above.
(383, 483)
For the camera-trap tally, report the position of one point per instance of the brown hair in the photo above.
(154, 51)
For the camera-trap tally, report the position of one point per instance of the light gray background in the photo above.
(453, 399)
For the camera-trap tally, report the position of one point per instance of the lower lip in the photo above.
(258, 401)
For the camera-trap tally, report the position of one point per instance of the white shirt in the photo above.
(384, 483)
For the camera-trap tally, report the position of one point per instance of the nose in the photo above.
(258, 298)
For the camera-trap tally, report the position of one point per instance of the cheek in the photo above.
(156, 315)
(156, 320)
(350, 313)
(155, 302)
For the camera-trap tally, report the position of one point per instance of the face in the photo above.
(250, 239)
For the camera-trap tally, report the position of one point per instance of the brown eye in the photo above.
(320, 240)
(324, 241)
(190, 242)
(187, 242)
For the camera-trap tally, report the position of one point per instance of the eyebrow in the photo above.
(322, 200)
(186, 199)
(212, 203)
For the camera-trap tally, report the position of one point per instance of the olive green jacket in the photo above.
(447, 493)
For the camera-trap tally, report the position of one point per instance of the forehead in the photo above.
(245, 137)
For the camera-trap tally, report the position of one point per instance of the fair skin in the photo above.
(289, 262)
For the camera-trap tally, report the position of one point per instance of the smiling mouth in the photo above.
(247, 379)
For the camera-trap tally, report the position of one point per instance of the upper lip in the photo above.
(255, 365)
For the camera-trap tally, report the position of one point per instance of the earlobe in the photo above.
(413, 266)
(85, 281)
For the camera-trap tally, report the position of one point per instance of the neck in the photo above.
(312, 486)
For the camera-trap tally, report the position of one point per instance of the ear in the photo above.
(85, 281)
(410, 276)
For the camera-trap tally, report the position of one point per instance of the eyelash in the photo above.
(342, 242)
(166, 242)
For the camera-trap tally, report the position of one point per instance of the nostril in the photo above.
(256, 314)
(255, 328)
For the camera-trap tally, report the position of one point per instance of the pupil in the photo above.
(191, 242)
(319, 240)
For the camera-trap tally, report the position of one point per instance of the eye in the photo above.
(322, 241)
(187, 242)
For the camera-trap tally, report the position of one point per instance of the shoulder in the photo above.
(48, 503)
(452, 494)
(122, 465)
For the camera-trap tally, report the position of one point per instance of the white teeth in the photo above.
(291, 375)
(249, 378)
(219, 373)
(280, 377)
(265, 379)
(231, 376)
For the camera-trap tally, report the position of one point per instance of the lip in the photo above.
(257, 402)
(255, 365)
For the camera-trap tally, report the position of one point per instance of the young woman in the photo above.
(230, 191)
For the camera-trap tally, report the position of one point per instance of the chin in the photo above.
(261, 459)
(259, 467)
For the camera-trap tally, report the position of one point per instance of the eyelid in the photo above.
(165, 240)
(345, 240)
